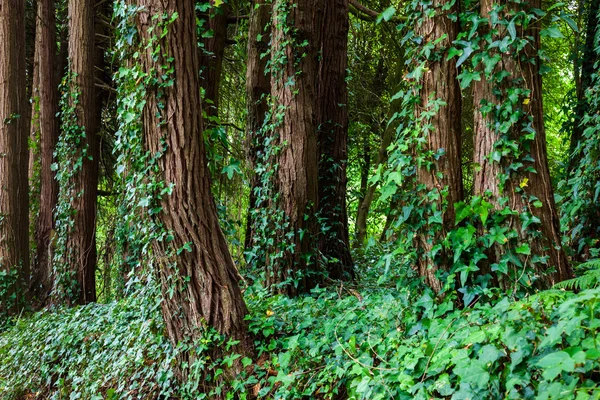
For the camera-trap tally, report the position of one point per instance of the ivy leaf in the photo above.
(523, 249)
(552, 32)
(555, 363)
(386, 15)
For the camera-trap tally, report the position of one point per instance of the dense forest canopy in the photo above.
(297, 199)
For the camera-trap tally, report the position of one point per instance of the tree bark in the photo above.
(538, 183)
(440, 82)
(199, 285)
(14, 131)
(332, 125)
(46, 98)
(81, 239)
(258, 87)
(293, 88)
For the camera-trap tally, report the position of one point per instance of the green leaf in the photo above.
(552, 32)
(523, 249)
(555, 363)
(386, 15)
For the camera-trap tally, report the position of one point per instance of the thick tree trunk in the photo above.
(14, 131)
(538, 183)
(258, 87)
(294, 114)
(332, 125)
(46, 98)
(81, 239)
(440, 82)
(199, 285)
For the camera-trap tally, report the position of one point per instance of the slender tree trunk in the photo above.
(14, 196)
(332, 125)
(258, 87)
(211, 59)
(45, 108)
(199, 285)
(587, 69)
(81, 239)
(538, 183)
(294, 109)
(440, 82)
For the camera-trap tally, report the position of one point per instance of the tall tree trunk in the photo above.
(211, 58)
(258, 87)
(519, 187)
(199, 285)
(332, 125)
(440, 82)
(80, 256)
(587, 69)
(14, 196)
(296, 24)
(46, 98)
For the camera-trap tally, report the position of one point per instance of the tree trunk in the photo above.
(46, 98)
(440, 82)
(294, 115)
(14, 131)
(332, 125)
(211, 59)
(258, 87)
(587, 69)
(199, 285)
(81, 238)
(519, 187)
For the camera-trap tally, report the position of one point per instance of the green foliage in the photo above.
(590, 279)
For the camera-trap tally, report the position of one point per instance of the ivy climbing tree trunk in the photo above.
(443, 132)
(294, 59)
(45, 107)
(198, 277)
(332, 124)
(258, 87)
(14, 131)
(532, 183)
(80, 245)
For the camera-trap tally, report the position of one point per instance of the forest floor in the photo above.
(365, 340)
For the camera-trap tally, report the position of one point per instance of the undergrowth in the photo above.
(361, 341)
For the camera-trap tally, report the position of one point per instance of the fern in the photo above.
(590, 279)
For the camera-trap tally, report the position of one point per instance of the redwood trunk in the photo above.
(14, 196)
(440, 82)
(332, 125)
(258, 87)
(293, 88)
(81, 240)
(46, 98)
(537, 183)
(199, 285)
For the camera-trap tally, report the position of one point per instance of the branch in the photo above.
(366, 14)
(232, 19)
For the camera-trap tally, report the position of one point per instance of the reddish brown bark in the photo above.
(14, 197)
(537, 183)
(332, 125)
(81, 240)
(199, 285)
(46, 98)
(440, 82)
(294, 113)
(258, 87)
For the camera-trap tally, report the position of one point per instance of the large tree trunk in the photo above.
(80, 254)
(14, 196)
(332, 125)
(199, 285)
(440, 82)
(523, 185)
(46, 97)
(258, 87)
(294, 116)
